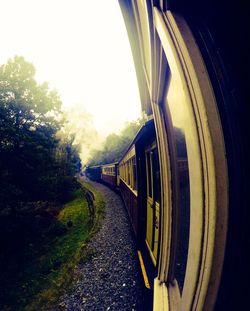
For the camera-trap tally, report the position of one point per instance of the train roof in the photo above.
(94, 166)
(142, 131)
(109, 164)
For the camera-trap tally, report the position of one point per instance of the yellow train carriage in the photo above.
(109, 174)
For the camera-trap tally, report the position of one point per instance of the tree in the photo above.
(115, 145)
(30, 117)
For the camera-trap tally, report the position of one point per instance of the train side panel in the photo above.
(109, 174)
(127, 171)
(93, 173)
(131, 202)
(111, 180)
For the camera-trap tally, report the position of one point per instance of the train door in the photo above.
(153, 201)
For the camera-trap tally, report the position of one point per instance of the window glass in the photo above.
(134, 173)
(129, 177)
(156, 175)
(149, 174)
(178, 119)
(126, 165)
(142, 8)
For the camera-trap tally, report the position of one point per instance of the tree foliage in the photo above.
(116, 144)
(37, 175)
(34, 164)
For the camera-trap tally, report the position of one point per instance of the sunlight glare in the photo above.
(81, 48)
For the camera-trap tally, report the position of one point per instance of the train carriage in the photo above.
(128, 185)
(132, 176)
(184, 177)
(93, 172)
(109, 174)
(191, 59)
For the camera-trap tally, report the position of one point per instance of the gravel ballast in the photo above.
(111, 279)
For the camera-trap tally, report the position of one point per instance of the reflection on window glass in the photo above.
(184, 208)
(178, 120)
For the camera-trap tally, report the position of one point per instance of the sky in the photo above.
(81, 48)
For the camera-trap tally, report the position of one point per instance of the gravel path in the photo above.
(111, 279)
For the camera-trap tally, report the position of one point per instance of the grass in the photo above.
(46, 266)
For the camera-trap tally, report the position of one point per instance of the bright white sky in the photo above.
(81, 48)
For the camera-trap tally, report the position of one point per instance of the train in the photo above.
(184, 178)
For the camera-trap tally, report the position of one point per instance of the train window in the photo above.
(134, 174)
(180, 126)
(178, 118)
(129, 174)
(153, 201)
(156, 175)
(125, 172)
(149, 174)
(186, 173)
(183, 200)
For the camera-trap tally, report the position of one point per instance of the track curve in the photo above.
(111, 279)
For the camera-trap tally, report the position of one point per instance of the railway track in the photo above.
(111, 279)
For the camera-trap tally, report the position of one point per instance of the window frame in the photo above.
(206, 219)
